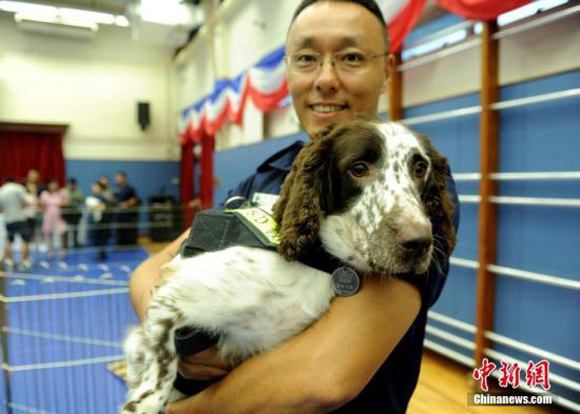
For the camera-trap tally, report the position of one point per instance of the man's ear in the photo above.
(390, 67)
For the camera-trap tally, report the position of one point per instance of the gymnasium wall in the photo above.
(94, 85)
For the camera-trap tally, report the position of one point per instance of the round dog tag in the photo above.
(345, 281)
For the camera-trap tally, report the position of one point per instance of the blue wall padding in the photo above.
(148, 177)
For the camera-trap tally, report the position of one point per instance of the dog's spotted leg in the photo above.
(154, 354)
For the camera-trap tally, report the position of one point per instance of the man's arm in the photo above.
(322, 368)
(148, 274)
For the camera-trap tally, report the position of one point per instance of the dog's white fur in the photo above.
(254, 298)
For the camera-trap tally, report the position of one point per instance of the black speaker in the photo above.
(143, 116)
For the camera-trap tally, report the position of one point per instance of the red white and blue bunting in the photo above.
(265, 84)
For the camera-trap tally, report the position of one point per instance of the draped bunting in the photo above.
(265, 83)
(401, 17)
(481, 9)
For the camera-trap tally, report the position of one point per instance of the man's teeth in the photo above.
(327, 108)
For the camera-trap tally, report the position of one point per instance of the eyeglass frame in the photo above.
(371, 56)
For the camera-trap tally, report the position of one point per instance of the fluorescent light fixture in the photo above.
(121, 21)
(62, 15)
(169, 12)
(528, 10)
(20, 7)
(87, 16)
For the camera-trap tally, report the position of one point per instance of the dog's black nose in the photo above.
(415, 238)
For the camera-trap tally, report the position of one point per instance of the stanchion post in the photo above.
(4, 343)
(489, 148)
(396, 90)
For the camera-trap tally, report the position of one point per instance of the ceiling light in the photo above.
(19, 7)
(61, 15)
(85, 15)
(169, 12)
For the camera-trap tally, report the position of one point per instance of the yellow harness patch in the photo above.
(260, 220)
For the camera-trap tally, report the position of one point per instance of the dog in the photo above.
(370, 193)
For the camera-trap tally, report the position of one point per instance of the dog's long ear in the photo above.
(300, 207)
(437, 200)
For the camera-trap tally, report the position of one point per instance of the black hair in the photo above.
(100, 185)
(122, 173)
(9, 180)
(72, 181)
(370, 5)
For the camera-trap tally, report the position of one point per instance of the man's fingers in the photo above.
(200, 372)
(208, 357)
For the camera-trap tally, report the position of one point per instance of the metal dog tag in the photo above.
(345, 281)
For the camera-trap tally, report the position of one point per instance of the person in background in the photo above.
(96, 205)
(108, 192)
(12, 205)
(33, 178)
(53, 225)
(127, 215)
(72, 211)
(31, 209)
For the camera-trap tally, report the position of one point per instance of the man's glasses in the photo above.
(345, 62)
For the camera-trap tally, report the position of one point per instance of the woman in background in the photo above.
(53, 224)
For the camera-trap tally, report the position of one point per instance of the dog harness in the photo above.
(248, 226)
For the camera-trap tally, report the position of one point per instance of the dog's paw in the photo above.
(147, 403)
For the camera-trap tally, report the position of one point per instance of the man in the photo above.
(127, 216)
(72, 211)
(363, 356)
(12, 203)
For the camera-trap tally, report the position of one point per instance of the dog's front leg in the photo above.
(153, 349)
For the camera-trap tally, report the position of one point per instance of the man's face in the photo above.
(120, 179)
(329, 95)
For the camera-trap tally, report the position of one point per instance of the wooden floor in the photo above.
(444, 386)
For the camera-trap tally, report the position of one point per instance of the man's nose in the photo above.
(326, 79)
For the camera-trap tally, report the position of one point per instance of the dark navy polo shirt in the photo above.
(125, 193)
(391, 388)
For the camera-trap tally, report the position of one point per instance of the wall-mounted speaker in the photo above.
(143, 114)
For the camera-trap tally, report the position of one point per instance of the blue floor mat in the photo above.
(66, 322)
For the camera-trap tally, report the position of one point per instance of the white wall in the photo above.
(92, 85)
(248, 30)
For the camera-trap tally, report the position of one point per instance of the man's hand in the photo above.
(204, 366)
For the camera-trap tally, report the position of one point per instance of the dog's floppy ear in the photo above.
(300, 206)
(437, 200)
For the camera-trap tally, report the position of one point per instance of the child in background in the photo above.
(53, 224)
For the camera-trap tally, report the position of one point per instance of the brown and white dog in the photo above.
(372, 193)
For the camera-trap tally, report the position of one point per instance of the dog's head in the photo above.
(374, 193)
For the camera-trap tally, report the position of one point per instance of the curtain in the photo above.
(481, 9)
(206, 171)
(186, 180)
(22, 151)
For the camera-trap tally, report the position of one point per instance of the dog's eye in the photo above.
(359, 169)
(420, 169)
